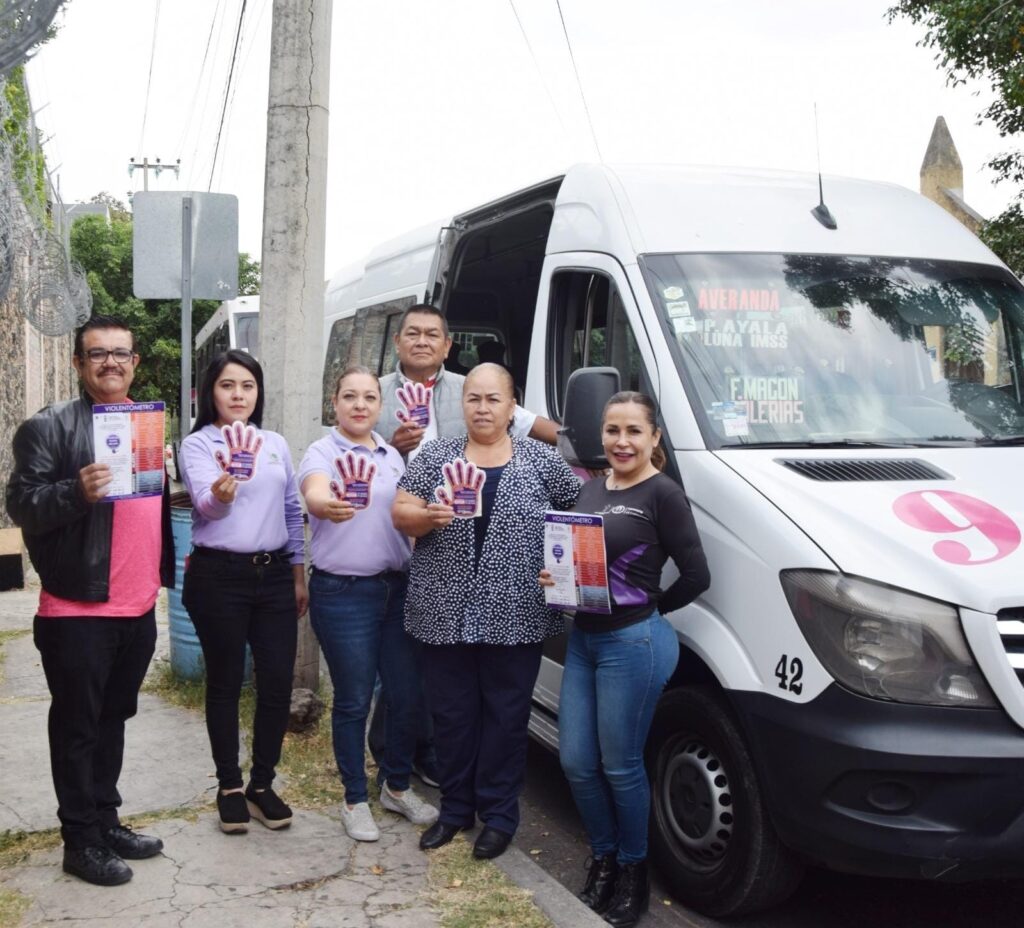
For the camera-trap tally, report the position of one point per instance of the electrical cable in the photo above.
(536, 64)
(199, 80)
(149, 80)
(579, 84)
(227, 90)
(195, 168)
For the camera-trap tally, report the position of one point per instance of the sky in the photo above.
(437, 106)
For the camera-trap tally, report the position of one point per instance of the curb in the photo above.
(561, 907)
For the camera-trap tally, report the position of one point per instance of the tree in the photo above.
(984, 40)
(105, 252)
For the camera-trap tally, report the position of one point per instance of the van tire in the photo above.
(701, 773)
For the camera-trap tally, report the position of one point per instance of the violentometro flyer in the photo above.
(129, 439)
(574, 555)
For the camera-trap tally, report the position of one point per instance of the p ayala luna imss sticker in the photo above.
(356, 473)
(243, 449)
(462, 488)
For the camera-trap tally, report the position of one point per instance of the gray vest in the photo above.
(447, 404)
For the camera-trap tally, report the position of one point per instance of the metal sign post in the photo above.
(185, 245)
(184, 420)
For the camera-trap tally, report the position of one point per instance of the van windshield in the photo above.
(817, 350)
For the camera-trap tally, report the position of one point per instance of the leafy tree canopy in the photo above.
(105, 252)
(984, 40)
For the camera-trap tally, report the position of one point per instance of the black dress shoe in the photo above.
(127, 844)
(600, 886)
(632, 894)
(490, 843)
(97, 864)
(438, 835)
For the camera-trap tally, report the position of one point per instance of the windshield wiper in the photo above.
(1001, 440)
(840, 443)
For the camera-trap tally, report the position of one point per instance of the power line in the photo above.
(196, 164)
(199, 80)
(579, 84)
(149, 80)
(536, 64)
(227, 89)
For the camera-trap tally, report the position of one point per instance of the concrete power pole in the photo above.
(294, 216)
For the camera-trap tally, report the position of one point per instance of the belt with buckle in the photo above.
(255, 558)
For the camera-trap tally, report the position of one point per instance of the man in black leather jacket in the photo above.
(101, 565)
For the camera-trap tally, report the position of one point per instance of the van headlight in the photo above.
(886, 643)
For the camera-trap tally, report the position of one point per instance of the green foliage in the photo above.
(105, 252)
(28, 163)
(984, 40)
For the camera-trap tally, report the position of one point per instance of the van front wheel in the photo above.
(710, 833)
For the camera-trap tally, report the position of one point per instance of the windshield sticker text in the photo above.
(735, 299)
(734, 333)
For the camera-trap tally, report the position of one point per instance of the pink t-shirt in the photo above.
(135, 548)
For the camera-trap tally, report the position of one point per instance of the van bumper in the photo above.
(884, 789)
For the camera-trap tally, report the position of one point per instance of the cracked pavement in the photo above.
(310, 875)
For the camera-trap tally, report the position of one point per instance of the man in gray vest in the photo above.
(423, 342)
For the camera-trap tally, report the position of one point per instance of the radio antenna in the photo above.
(821, 212)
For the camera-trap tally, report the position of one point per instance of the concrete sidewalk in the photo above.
(309, 875)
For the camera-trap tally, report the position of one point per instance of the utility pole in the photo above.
(156, 167)
(294, 222)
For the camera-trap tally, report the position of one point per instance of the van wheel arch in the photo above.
(710, 833)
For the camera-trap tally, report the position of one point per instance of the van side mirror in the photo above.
(586, 393)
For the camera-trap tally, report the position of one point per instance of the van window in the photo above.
(588, 328)
(376, 328)
(335, 361)
(821, 349)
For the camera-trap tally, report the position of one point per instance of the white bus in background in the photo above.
(235, 324)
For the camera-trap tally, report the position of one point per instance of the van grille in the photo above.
(1010, 623)
(840, 469)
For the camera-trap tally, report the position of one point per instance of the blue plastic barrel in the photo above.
(186, 652)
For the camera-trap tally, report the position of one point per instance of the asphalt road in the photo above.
(550, 831)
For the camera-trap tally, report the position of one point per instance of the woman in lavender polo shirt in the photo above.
(357, 599)
(244, 582)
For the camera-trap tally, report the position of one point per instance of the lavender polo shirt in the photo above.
(368, 543)
(266, 514)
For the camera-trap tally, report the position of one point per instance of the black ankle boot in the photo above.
(600, 886)
(632, 893)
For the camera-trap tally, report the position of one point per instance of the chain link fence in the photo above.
(37, 273)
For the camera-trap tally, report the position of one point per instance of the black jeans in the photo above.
(231, 602)
(479, 695)
(94, 668)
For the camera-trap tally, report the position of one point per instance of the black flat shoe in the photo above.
(632, 893)
(438, 835)
(131, 846)
(490, 843)
(98, 864)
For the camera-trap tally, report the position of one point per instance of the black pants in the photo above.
(231, 602)
(377, 730)
(479, 695)
(94, 668)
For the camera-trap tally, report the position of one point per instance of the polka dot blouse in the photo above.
(497, 601)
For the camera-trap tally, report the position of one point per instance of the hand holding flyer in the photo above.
(243, 448)
(357, 473)
(416, 399)
(462, 489)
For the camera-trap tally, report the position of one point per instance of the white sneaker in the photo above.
(410, 805)
(358, 822)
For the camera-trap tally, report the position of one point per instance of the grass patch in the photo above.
(12, 906)
(470, 893)
(15, 846)
(307, 762)
(4, 638)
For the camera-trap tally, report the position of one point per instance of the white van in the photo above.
(845, 408)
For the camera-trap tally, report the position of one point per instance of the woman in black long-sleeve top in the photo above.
(618, 664)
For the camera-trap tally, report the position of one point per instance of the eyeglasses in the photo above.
(99, 355)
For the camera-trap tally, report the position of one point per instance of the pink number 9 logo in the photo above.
(983, 533)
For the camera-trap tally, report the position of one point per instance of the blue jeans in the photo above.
(610, 688)
(359, 624)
